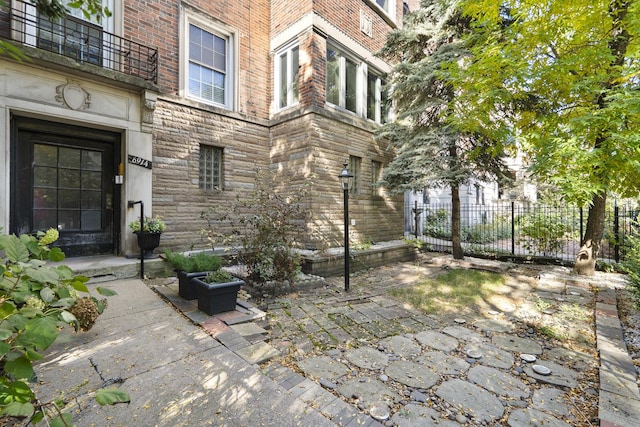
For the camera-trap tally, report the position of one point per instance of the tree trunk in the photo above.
(455, 223)
(586, 261)
(620, 38)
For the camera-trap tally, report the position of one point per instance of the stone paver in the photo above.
(362, 354)
(492, 355)
(498, 382)
(369, 391)
(481, 404)
(532, 417)
(559, 376)
(401, 346)
(323, 367)
(367, 358)
(413, 415)
(516, 344)
(437, 341)
(443, 364)
(412, 374)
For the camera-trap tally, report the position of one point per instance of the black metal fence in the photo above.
(78, 39)
(523, 230)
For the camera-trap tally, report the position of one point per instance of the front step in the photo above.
(104, 268)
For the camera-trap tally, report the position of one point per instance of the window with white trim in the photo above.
(209, 69)
(210, 177)
(377, 99)
(386, 5)
(342, 80)
(353, 86)
(287, 72)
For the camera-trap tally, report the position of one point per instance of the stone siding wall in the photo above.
(316, 145)
(179, 131)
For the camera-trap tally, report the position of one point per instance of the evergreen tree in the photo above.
(435, 145)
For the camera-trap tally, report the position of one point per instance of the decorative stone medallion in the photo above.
(73, 96)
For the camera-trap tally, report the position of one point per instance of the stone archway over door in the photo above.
(63, 177)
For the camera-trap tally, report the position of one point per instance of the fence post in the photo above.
(513, 227)
(616, 231)
(415, 218)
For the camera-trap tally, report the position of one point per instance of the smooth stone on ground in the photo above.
(476, 401)
(532, 417)
(367, 358)
(559, 374)
(401, 346)
(369, 391)
(323, 367)
(437, 341)
(443, 364)
(550, 399)
(412, 374)
(498, 382)
(413, 415)
(516, 344)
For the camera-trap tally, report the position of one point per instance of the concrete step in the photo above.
(105, 268)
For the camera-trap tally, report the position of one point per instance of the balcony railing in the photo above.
(80, 40)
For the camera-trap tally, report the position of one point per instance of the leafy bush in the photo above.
(498, 229)
(219, 276)
(200, 261)
(36, 301)
(543, 233)
(631, 263)
(263, 228)
(436, 223)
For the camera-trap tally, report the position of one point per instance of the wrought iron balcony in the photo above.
(78, 39)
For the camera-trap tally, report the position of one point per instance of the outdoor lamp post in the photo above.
(345, 182)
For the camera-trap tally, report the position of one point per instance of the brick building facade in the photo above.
(176, 104)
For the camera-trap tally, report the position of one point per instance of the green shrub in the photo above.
(543, 233)
(498, 229)
(263, 228)
(437, 224)
(219, 276)
(36, 300)
(200, 261)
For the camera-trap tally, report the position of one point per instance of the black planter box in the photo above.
(186, 287)
(214, 298)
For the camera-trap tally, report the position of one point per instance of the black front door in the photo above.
(63, 178)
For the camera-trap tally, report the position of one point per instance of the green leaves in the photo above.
(111, 396)
(35, 299)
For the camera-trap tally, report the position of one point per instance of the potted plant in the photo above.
(148, 233)
(217, 292)
(188, 267)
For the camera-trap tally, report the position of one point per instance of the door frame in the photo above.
(21, 123)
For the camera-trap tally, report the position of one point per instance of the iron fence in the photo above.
(78, 39)
(523, 230)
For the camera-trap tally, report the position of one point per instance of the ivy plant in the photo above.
(36, 301)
